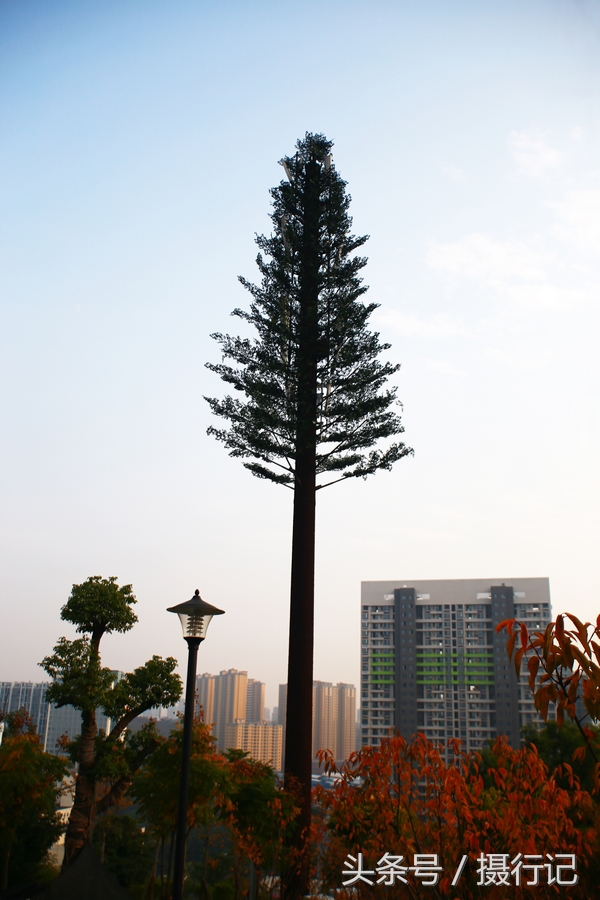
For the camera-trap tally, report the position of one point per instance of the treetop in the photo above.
(312, 372)
(99, 605)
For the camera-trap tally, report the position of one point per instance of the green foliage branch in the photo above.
(564, 746)
(354, 408)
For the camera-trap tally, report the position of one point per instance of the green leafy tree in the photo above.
(229, 795)
(29, 789)
(258, 813)
(98, 607)
(155, 789)
(124, 848)
(314, 401)
(558, 747)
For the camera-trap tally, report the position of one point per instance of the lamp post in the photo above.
(195, 616)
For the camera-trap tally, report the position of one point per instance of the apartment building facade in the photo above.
(261, 740)
(230, 698)
(432, 661)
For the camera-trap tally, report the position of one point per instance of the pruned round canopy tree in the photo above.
(97, 607)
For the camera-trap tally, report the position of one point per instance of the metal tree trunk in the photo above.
(298, 732)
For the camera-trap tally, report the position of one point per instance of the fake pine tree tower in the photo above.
(313, 404)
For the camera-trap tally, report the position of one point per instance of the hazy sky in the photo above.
(138, 144)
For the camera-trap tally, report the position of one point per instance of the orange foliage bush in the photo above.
(407, 798)
(564, 668)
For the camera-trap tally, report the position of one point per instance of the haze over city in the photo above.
(139, 143)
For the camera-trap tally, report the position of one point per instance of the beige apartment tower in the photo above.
(205, 697)
(334, 718)
(346, 721)
(324, 717)
(261, 740)
(223, 698)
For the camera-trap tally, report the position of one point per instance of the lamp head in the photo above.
(195, 616)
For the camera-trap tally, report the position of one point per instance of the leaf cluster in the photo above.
(30, 784)
(155, 787)
(558, 747)
(258, 813)
(153, 684)
(78, 677)
(418, 797)
(99, 605)
(564, 670)
(354, 408)
(17, 723)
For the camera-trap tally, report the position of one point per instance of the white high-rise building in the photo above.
(432, 661)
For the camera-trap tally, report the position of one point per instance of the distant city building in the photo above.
(255, 701)
(260, 739)
(29, 695)
(346, 721)
(282, 705)
(65, 721)
(229, 698)
(334, 718)
(324, 717)
(52, 722)
(231, 692)
(205, 697)
(431, 660)
(162, 712)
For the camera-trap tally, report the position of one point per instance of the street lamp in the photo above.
(195, 616)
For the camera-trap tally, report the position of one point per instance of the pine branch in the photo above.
(354, 408)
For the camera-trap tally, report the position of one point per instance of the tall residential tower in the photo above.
(431, 660)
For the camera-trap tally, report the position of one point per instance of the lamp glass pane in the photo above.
(194, 625)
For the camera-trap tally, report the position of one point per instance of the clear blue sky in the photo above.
(138, 144)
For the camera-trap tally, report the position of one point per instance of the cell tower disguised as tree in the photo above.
(314, 403)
